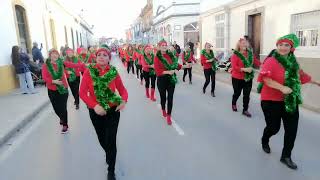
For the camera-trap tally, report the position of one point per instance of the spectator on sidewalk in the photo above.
(21, 63)
(37, 54)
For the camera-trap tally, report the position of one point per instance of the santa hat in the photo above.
(291, 39)
(53, 51)
(162, 42)
(104, 50)
(69, 50)
(148, 47)
(79, 50)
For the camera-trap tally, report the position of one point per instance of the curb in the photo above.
(27, 119)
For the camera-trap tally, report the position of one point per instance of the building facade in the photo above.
(176, 21)
(44, 21)
(264, 21)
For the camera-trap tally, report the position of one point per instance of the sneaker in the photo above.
(64, 129)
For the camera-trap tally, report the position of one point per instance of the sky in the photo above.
(110, 17)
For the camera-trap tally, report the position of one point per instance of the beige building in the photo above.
(47, 22)
(264, 21)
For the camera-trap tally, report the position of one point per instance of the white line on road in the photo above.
(175, 124)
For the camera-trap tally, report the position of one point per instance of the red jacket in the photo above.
(145, 65)
(190, 60)
(159, 67)
(137, 57)
(237, 64)
(48, 78)
(275, 71)
(204, 63)
(87, 91)
(128, 57)
(77, 70)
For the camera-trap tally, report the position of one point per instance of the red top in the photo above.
(204, 63)
(48, 78)
(237, 64)
(128, 57)
(275, 71)
(159, 67)
(92, 58)
(190, 60)
(145, 65)
(137, 57)
(86, 92)
(77, 70)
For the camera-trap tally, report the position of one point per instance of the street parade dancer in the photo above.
(166, 66)
(137, 56)
(147, 61)
(208, 62)
(53, 74)
(188, 58)
(98, 90)
(280, 86)
(243, 61)
(130, 59)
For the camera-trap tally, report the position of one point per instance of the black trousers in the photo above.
(209, 73)
(187, 71)
(166, 87)
(238, 86)
(130, 66)
(139, 71)
(106, 128)
(59, 104)
(273, 112)
(148, 78)
(74, 86)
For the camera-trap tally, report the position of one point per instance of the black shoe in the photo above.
(183, 80)
(289, 163)
(111, 176)
(204, 91)
(77, 106)
(190, 82)
(266, 148)
(212, 94)
(246, 113)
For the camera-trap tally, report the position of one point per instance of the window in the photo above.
(307, 28)
(220, 26)
(66, 34)
(22, 28)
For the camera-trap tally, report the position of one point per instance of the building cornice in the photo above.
(175, 15)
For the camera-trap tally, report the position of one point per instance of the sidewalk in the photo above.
(17, 110)
(310, 92)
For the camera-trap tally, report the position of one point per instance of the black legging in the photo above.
(238, 86)
(148, 77)
(74, 86)
(273, 113)
(130, 65)
(106, 128)
(139, 71)
(164, 87)
(186, 71)
(210, 74)
(59, 104)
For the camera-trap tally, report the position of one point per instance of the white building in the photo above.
(176, 20)
(223, 23)
(44, 21)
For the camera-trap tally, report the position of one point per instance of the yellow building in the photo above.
(44, 21)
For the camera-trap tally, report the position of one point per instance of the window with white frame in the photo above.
(220, 35)
(307, 27)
